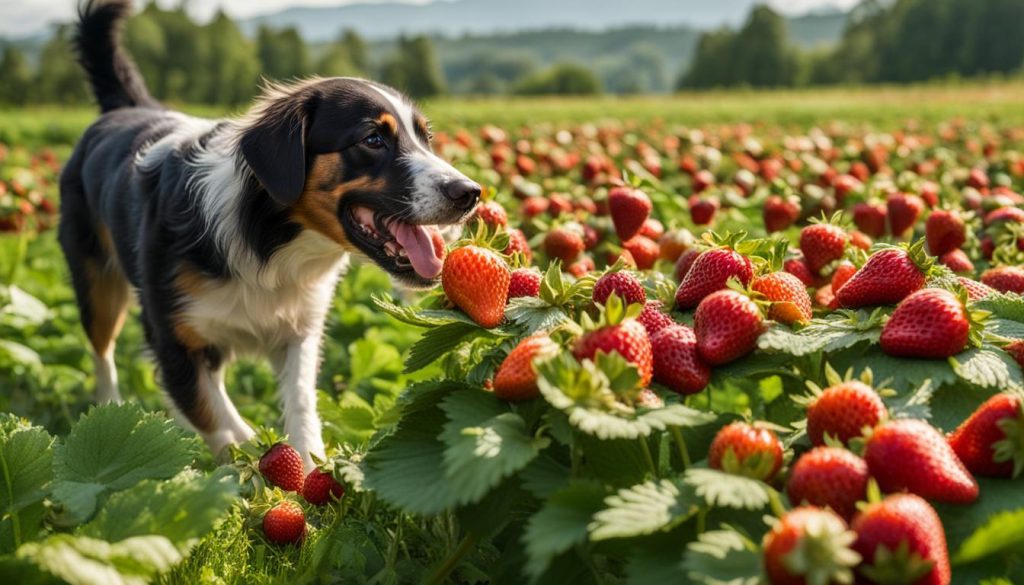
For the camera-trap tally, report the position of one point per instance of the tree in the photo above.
(59, 78)
(16, 76)
(561, 79)
(233, 69)
(711, 64)
(282, 53)
(414, 68)
(340, 57)
(761, 55)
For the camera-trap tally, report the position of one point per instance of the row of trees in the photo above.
(891, 42)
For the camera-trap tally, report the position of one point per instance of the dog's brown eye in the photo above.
(374, 141)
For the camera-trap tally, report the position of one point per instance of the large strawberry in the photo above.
(619, 334)
(476, 280)
(780, 212)
(703, 209)
(281, 465)
(629, 208)
(790, 302)
(902, 522)
(727, 324)
(957, 261)
(644, 251)
(285, 523)
(628, 287)
(945, 231)
(822, 244)
(931, 323)
(809, 546)
(903, 211)
(911, 455)
(870, 218)
(975, 290)
(741, 448)
(563, 243)
(711, 271)
(829, 477)
(320, 488)
(991, 441)
(1005, 279)
(516, 378)
(843, 411)
(677, 364)
(889, 276)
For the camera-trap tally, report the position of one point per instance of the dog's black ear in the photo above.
(275, 149)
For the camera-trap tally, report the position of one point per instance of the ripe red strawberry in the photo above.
(902, 520)
(517, 243)
(870, 218)
(685, 262)
(591, 237)
(476, 280)
(1016, 350)
(524, 282)
(492, 213)
(644, 251)
(829, 477)
(977, 179)
(975, 290)
(629, 209)
(710, 272)
(558, 204)
(798, 268)
(581, 267)
(844, 272)
(945, 231)
(990, 441)
(703, 209)
(628, 339)
(281, 465)
(843, 411)
(904, 209)
(702, 179)
(957, 261)
(564, 244)
(285, 523)
(744, 449)
(1004, 279)
(888, 277)
(727, 325)
(859, 239)
(911, 455)
(676, 362)
(321, 487)
(653, 319)
(790, 301)
(822, 244)
(1004, 214)
(534, 206)
(652, 229)
(516, 379)
(780, 213)
(809, 545)
(931, 323)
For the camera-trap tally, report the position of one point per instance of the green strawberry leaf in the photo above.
(25, 468)
(724, 490)
(1001, 532)
(644, 509)
(1008, 306)
(901, 374)
(350, 419)
(988, 368)
(561, 524)
(420, 317)
(81, 560)
(544, 476)
(723, 557)
(438, 341)
(828, 335)
(997, 497)
(915, 405)
(532, 314)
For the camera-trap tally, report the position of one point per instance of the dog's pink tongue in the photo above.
(418, 241)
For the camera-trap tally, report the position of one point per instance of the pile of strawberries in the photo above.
(281, 467)
(26, 187)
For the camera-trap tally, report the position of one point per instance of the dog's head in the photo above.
(352, 160)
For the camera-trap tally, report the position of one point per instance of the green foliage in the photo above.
(721, 557)
(561, 79)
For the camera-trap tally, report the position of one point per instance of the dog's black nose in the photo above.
(462, 192)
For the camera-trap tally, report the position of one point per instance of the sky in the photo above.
(25, 17)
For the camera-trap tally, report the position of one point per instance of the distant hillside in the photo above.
(457, 17)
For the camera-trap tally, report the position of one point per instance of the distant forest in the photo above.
(877, 42)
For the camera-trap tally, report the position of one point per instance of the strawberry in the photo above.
(829, 477)
(870, 218)
(516, 379)
(673, 243)
(653, 318)
(702, 179)
(558, 204)
(911, 455)
(321, 487)
(991, 441)
(524, 282)
(1004, 215)
(903, 210)
(823, 297)
(957, 261)
(285, 523)
(476, 280)
(888, 277)
(644, 251)
(629, 209)
(676, 362)
(623, 284)
(564, 244)
(1004, 279)
(790, 302)
(901, 540)
(627, 338)
(703, 209)
(859, 239)
(685, 262)
(492, 213)
(798, 268)
(931, 323)
(822, 244)
(517, 243)
(281, 465)
(710, 272)
(534, 206)
(1016, 350)
(652, 229)
(780, 213)
(843, 273)
(591, 237)
(975, 290)
(977, 179)
(843, 411)
(945, 231)
(727, 325)
(581, 267)
(809, 545)
(744, 449)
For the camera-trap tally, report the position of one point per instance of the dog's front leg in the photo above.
(296, 365)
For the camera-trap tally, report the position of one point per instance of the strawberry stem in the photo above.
(684, 454)
(453, 560)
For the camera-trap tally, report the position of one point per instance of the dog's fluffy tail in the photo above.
(115, 80)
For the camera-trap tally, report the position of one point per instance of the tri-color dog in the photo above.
(232, 233)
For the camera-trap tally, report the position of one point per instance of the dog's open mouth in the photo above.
(396, 245)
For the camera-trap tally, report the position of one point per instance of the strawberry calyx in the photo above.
(755, 466)
(613, 312)
(916, 252)
(1011, 447)
(483, 236)
(896, 566)
(976, 318)
(823, 553)
(837, 219)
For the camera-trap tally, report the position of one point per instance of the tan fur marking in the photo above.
(317, 207)
(108, 304)
(388, 120)
(421, 123)
(189, 282)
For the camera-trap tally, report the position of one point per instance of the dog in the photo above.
(232, 234)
